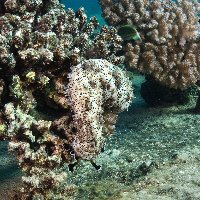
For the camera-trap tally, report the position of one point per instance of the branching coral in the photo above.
(97, 91)
(43, 49)
(40, 147)
(169, 48)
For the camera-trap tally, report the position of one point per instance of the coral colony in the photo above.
(61, 89)
(169, 32)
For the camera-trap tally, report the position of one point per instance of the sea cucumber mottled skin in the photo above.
(96, 88)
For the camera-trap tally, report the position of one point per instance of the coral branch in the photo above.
(169, 47)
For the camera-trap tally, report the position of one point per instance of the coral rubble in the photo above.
(169, 47)
(43, 49)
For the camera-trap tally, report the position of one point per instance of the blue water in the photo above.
(92, 8)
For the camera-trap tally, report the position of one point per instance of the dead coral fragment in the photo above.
(96, 88)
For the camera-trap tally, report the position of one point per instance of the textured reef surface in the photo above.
(60, 91)
(66, 111)
(169, 47)
(153, 154)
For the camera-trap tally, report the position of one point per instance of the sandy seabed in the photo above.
(154, 154)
